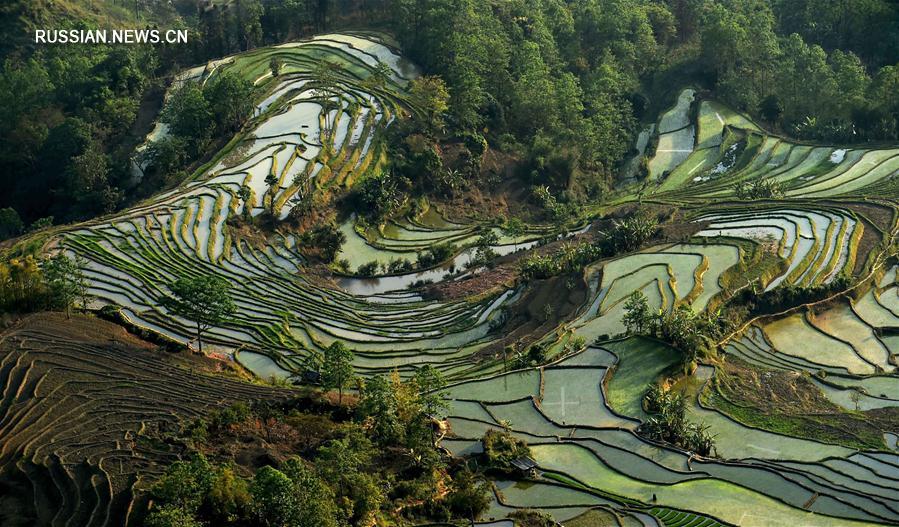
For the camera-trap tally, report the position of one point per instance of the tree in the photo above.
(430, 95)
(514, 228)
(325, 241)
(337, 368)
(378, 406)
(189, 116)
(171, 516)
(10, 223)
(324, 77)
(346, 463)
(294, 497)
(484, 252)
(381, 75)
(185, 484)
(275, 65)
(430, 384)
(65, 281)
(772, 109)
(855, 396)
(229, 496)
(230, 100)
(318, 501)
(637, 317)
(203, 299)
(274, 499)
(468, 496)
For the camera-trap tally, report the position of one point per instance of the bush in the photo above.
(669, 423)
(324, 240)
(468, 497)
(369, 269)
(501, 448)
(436, 254)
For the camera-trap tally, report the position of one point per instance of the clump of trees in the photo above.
(626, 235)
(765, 188)
(501, 448)
(630, 233)
(198, 117)
(668, 422)
(680, 327)
(323, 241)
(363, 471)
(784, 297)
(568, 258)
(194, 492)
(28, 284)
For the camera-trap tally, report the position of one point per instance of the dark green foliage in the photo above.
(669, 423)
(185, 484)
(230, 99)
(369, 268)
(294, 497)
(569, 258)
(638, 319)
(630, 233)
(196, 114)
(784, 297)
(680, 327)
(532, 518)
(468, 497)
(435, 255)
(171, 516)
(379, 196)
(10, 223)
(535, 356)
(323, 240)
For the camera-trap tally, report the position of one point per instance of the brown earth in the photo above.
(88, 412)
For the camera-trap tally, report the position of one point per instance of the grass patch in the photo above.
(641, 361)
(788, 403)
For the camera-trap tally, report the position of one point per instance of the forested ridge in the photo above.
(562, 85)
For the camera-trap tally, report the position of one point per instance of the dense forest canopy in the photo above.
(561, 85)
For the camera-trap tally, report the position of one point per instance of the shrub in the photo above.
(369, 269)
(501, 448)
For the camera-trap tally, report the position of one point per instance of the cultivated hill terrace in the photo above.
(832, 221)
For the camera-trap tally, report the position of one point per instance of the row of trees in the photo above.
(626, 235)
(680, 327)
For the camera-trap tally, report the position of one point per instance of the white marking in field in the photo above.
(694, 168)
(562, 402)
(718, 115)
(770, 451)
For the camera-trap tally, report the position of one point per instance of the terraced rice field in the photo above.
(819, 245)
(592, 453)
(667, 275)
(579, 414)
(283, 315)
(699, 164)
(81, 401)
